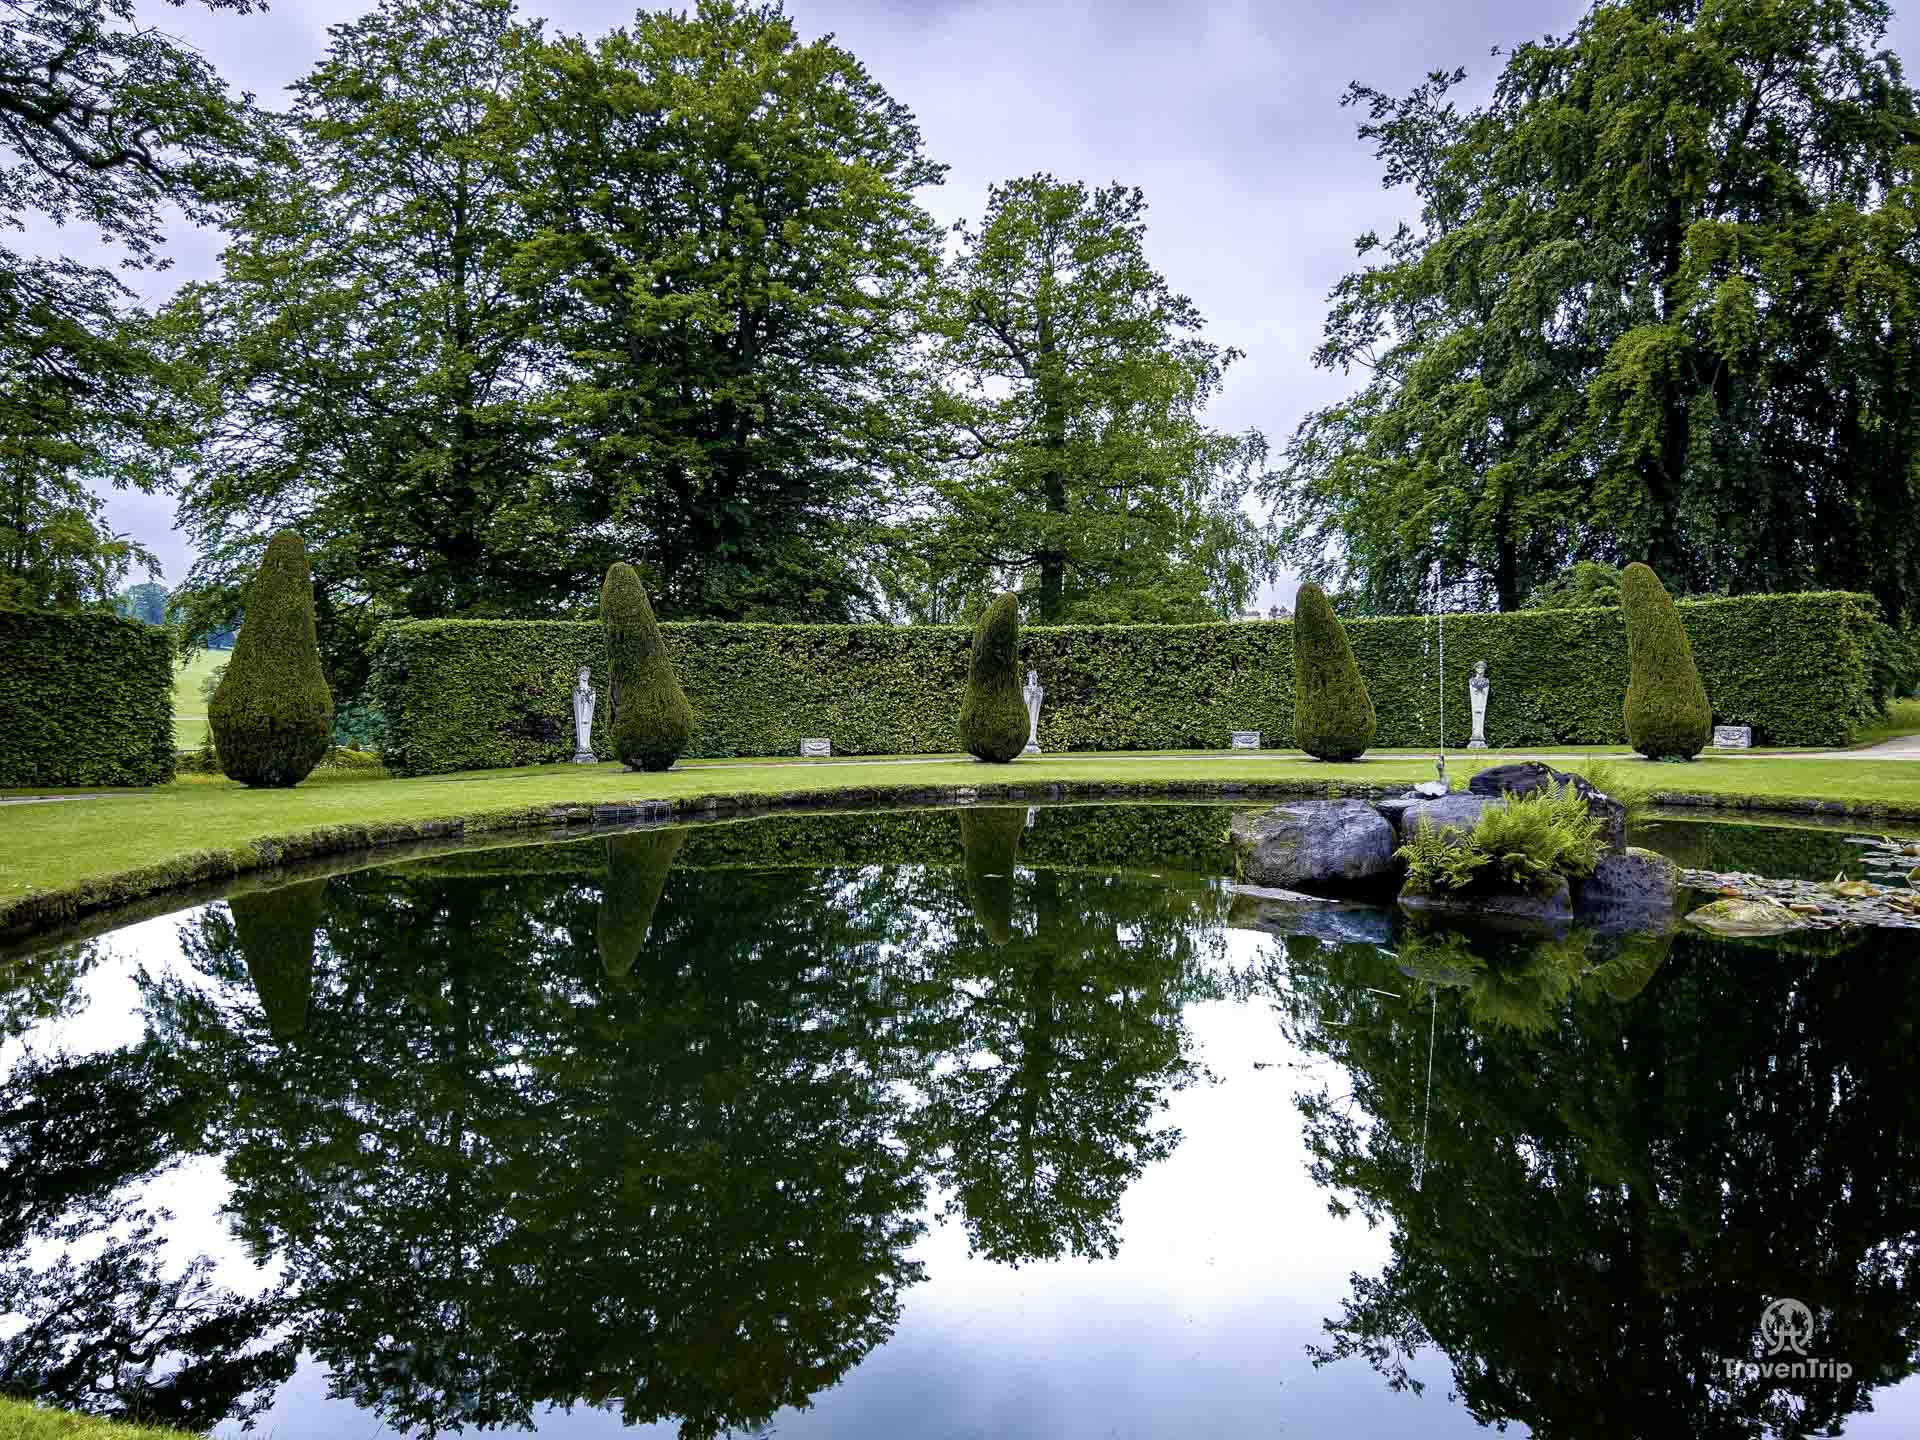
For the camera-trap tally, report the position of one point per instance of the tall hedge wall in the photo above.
(478, 694)
(85, 699)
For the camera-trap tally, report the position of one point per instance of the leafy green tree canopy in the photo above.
(1070, 379)
(1659, 303)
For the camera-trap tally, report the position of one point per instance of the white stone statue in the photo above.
(1033, 695)
(1477, 689)
(583, 697)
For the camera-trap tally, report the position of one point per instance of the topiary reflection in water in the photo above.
(1612, 1168)
(655, 1123)
(661, 1138)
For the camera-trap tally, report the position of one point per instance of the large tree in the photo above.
(727, 249)
(1659, 305)
(372, 377)
(106, 122)
(1072, 380)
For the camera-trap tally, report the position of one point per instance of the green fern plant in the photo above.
(1525, 842)
(1610, 778)
(1441, 862)
(1534, 837)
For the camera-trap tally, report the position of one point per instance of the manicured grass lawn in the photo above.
(54, 846)
(189, 710)
(20, 1420)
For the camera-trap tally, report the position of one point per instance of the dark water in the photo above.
(950, 1125)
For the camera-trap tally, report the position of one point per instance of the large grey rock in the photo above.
(1632, 890)
(1551, 908)
(1459, 812)
(1315, 844)
(1525, 776)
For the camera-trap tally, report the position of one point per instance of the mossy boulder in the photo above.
(275, 930)
(1667, 713)
(993, 717)
(1333, 715)
(651, 721)
(637, 869)
(990, 842)
(272, 715)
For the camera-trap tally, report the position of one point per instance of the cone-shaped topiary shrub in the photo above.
(275, 930)
(637, 868)
(1332, 713)
(990, 840)
(272, 717)
(1667, 714)
(993, 717)
(651, 721)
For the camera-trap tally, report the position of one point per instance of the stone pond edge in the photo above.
(36, 915)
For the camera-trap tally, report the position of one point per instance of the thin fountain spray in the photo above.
(1433, 789)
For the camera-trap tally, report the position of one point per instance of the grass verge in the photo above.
(189, 708)
(58, 861)
(23, 1420)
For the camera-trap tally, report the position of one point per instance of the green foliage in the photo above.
(118, 128)
(85, 699)
(146, 603)
(990, 842)
(274, 930)
(727, 250)
(1333, 715)
(272, 715)
(1895, 661)
(652, 721)
(1656, 304)
(1611, 779)
(1667, 712)
(1588, 585)
(637, 869)
(1070, 380)
(367, 274)
(463, 695)
(993, 718)
(1525, 842)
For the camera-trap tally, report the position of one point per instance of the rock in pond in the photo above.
(1526, 776)
(1309, 844)
(1286, 912)
(1452, 812)
(1745, 917)
(1632, 890)
(1552, 907)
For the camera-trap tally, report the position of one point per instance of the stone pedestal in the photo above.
(1733, 737)
(585, 757)
(1246, 740)
(816, 749)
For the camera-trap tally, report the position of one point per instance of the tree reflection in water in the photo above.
(658, 1136)
(1624, 1163)
(655, 1123)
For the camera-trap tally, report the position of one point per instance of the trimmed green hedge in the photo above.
(85, 699)
(481, 694)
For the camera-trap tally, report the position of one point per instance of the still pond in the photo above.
(987, 1123)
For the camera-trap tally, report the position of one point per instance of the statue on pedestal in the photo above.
(1033, 695)
(583, 697)
(1477, 689)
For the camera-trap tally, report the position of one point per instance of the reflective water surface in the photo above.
(941, 1123)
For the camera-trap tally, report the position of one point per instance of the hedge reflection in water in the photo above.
(652, 1122)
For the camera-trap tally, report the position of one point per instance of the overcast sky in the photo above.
(1226, 112)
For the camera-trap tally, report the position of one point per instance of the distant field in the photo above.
(189, 710)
